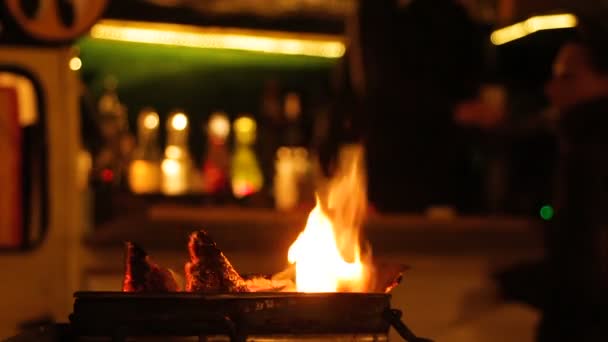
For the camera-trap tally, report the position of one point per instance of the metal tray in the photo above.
(236, 315)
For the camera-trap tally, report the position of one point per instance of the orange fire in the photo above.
(327, 253)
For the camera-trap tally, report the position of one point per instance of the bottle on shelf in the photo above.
(144, 170)
(292, 107)
(271, 124)
(216, 165)
(285, 188)
(293, 178)
(176, 166)
(246, 175)
(110, 161)
(292, 183)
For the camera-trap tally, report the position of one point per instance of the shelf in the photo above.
(234, 228)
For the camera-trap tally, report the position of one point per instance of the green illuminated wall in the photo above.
(197, 80)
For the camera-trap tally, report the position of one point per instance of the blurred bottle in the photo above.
(144, 171)
(112, 160)
(91, 139)
(495, 98)
(177, 165)
(293, 174)
(270, 128)
(246, 175)
(292, 107)
(216, 166)
(305, 175)
(293, 181)
(286, 192)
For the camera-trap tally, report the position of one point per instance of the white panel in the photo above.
(40, 282)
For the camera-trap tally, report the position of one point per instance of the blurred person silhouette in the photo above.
(577, 239)
(570, 287)
(408, 65)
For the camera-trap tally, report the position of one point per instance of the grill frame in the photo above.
(237, 315)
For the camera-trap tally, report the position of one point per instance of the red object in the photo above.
(214, 177)
(143, 275)
(107, 175)
(371, 209)
(10, 175)
(244, 189)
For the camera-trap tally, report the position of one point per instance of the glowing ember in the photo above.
(327, 254)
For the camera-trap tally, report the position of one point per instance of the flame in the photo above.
(327, 253)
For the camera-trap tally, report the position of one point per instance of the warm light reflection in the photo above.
(174, 177)
(286, 190)
(174, 152)
(327, 253)
(219, 125)
(151, 120)
(245, 129)
(509, 33)
(170, 167)
(27, 104)
(533, 24)
(246, 175)
(245, 172)
(144, 176)
(75, 63)
(220, 38)
(242, 188)
(293, 107)
(244, 124)
(550, 22)
(179, 121)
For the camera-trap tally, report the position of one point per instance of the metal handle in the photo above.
(231, 330)
(393, 317)
(229, 327)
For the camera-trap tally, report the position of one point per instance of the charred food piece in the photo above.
(209, 270)
(387, 276)
(143, 275)
(267, 283)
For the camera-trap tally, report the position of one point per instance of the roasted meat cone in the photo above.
(209, 270)
(143, 275)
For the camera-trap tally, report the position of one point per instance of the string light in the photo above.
(531, 25)
(307, 44)
(75, 63)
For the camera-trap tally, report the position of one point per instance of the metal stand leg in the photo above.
(119, 338)
(119, 335)
(394, 318)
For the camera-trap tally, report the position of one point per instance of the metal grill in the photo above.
(241, 317)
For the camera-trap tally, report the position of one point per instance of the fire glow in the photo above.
(327, 253)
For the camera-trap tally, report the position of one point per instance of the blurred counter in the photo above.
(164, 227)
(448, 294)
